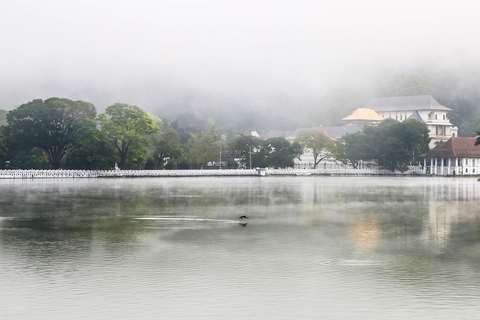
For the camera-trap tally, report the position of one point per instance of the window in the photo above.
(401, 117)
(466, 162)
(473, 162)
(459, 162)
(436, 117)
(444, 118)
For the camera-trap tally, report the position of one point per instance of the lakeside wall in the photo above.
(32, 174)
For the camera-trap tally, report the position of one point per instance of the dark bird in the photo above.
(243, 217)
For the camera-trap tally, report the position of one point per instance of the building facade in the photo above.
(457, 156)
(422, 108)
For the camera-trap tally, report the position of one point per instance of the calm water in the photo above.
(173, 248)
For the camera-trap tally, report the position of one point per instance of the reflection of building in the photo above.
(421, 108)
(457, 156)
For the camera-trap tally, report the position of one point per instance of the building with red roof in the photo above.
(457, 156)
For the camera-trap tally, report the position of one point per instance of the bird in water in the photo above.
(243, 224)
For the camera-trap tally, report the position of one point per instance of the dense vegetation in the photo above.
(61, 133)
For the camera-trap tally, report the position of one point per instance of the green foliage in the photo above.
(3, 148)
(93, 150)
(204, 147)
(477, 142)
(49, 125)
(392, 144)
(128, 127)
(280, 153)
(34, 158)
(322, 147)
(358, 147)
(165, 146)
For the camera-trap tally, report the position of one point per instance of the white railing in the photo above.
(29, 174)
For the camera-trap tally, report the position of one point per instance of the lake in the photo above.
(173, 248)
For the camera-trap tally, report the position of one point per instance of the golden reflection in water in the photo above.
(365, 233)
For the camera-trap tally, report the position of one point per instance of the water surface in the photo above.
(173, 248)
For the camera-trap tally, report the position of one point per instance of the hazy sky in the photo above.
(252, 54)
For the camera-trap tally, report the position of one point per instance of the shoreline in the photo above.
(36, 174)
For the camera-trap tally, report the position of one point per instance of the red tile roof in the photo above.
(326, 134)
(462, 147)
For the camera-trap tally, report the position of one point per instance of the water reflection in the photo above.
(311, 246)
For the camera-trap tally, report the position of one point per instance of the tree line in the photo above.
(61, 133)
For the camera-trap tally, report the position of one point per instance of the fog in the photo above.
(235, 58)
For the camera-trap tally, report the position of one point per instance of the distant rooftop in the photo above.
(456, 147)
(363, 114)
(405, 103)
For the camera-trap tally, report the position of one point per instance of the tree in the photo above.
(394, 145)
(93, 150)
(166, 146)
(358, 147)
(322, 147)
(128, 127)
(205, 147)
(280, 153)
(477, 142)
(3, 149)
(49, 125)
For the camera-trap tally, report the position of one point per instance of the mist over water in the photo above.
(330, 247)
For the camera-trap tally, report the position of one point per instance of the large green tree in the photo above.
(394, 145)
(128, 127)
(358, 147)
(92, 150)
(165, 146)
(280, 153)
(49, 125)
(322, 147)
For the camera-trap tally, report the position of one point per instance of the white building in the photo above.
(457, 156)
(423, 108)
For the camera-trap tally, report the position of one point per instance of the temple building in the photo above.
(363, 116)
(422, 108)
(457, 156)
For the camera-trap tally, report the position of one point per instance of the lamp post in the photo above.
(220, 159)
